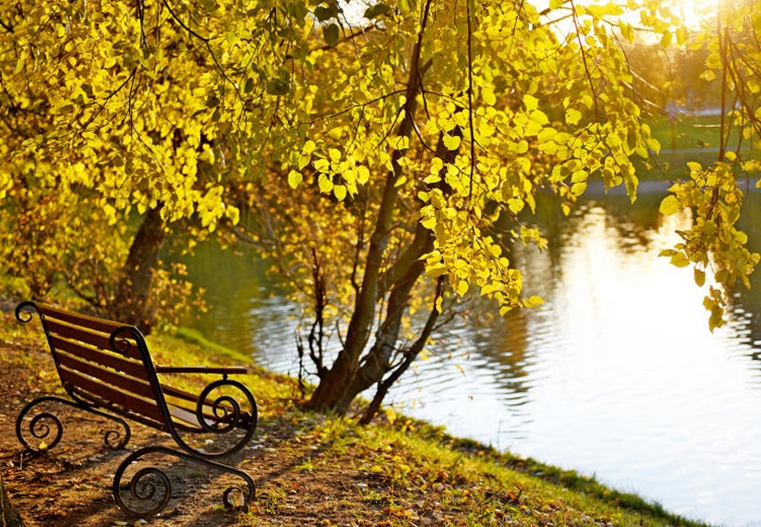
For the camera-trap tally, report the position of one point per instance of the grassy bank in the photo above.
(324, 470)
(687, 138)
(422, 472)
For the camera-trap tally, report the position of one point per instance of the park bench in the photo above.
(106, 369)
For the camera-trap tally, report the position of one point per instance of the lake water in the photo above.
(616, 376)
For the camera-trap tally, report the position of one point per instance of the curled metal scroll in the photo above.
(150, 488)
(143, 488)
(234, 498)
(121, 340)
(44, 423)
(227, 413)
(39, 429)
(114, 440)
(24, 311)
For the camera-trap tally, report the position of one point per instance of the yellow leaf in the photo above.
(572, 116)
(680, 260)
(363, 174)
(533, 301)
(682, 35)
(340, 192)
(539, 117)
(485, 129)
(515, 204)
(700, 277)
(577, 189)
(402, 143)
(670, 205)
(326, 185)
(451, 142)
(708, 75)
(294, 178)
(462, 287)
(487, 94)
(531, 102)
(429, 223)
(654, 145)
(308, 147)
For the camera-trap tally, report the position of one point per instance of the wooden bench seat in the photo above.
(106, 368)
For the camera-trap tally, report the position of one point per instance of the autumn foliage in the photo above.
(384, 158)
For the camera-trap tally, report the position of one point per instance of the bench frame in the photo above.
(106, 369)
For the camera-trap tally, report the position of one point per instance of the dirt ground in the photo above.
(70, 485)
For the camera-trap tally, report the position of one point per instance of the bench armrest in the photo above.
(224, 370)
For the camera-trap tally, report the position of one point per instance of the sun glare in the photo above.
(695, 13)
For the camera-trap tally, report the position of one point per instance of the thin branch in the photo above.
(409, 355)
(105, 101)
(470, 99)
(585, 61)
(207, 43)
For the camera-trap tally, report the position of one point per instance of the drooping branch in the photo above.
(409, 356)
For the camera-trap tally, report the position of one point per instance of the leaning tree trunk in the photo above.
(132, 303)
(377, 361)
(8, 516)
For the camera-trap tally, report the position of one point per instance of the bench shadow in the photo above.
(72, 482)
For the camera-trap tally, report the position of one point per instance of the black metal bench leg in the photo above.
(41, 424)
(144, 485)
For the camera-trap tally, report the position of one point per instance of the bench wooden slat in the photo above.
(171, 394)
(98, 340)
(180, 394)
(99, 324)
(202, 369)
(184, 417)
(108, 378)
(135, 369)
(110, 397)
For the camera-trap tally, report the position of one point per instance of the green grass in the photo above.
(687, 138)
(687, 132)
(412, 471)
(466, 483)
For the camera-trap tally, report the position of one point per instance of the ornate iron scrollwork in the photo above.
(150, 488)
(227, 415)
(40, 425)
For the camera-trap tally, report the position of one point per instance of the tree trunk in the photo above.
(8, 516)
(134, 288)
(331, 392)
(378, 360)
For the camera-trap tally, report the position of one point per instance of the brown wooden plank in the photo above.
(135, 369)
(179, 410)
(103, 392)
(69, 331)
(180, 394)
(202, 369)
(185, 417)
(108, 377)
(98, 324)
(98, 340)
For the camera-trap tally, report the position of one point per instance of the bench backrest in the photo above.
(102, 362)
